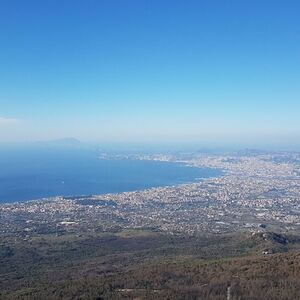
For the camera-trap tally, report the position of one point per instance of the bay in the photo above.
(30, 173)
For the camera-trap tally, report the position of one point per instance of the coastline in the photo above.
(216, 172)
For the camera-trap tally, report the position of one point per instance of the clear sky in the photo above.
(150, 71)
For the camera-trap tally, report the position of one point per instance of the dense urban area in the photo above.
(235, 236)
(257, 191)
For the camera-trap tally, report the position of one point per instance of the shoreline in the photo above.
(184, 164)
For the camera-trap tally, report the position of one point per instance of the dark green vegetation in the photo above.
(144, 264)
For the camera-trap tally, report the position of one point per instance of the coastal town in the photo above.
(256, 192)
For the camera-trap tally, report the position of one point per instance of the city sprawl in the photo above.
(257, 191)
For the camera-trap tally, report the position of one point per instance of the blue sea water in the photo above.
(34, 173)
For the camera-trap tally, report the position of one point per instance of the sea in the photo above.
(31, 173)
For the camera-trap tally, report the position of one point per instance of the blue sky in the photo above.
(210, 72)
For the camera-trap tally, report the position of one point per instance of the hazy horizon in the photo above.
(166, 72)
(155, 147)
